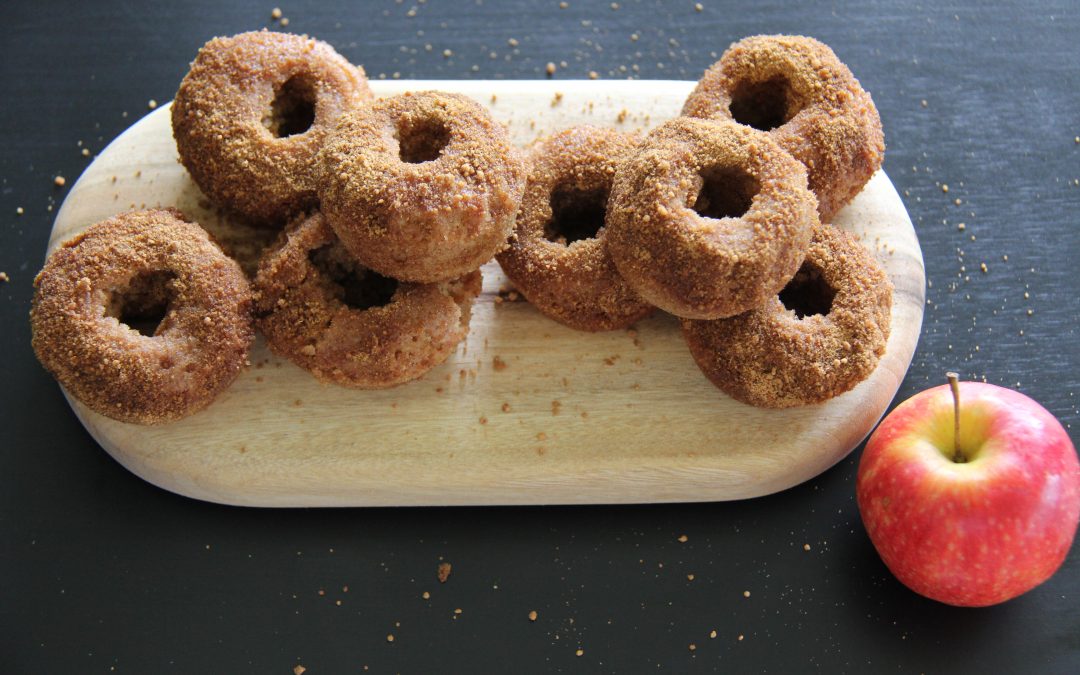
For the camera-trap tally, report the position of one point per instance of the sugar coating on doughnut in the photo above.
(557, 256)
(142, 264)
(709, 218)
(421, 187)
(251, 115)
(817, 339)
(347, 325)
(797, 90)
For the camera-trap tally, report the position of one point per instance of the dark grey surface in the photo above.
(100, 571)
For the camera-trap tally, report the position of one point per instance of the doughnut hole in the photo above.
(575, 214)
(763, 105)
(351, 283)
(726, 192)
(292, 111)
(808, 294)
(421, 140)
(143, 304)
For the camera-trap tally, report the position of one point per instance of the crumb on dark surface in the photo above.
(443, 572)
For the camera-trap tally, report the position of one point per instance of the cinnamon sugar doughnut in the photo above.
(98, 296)
(797, 90)
(709, 218)
(252, 113)
(557, 257)
(817, 339)
(348, 325)
(422, 186)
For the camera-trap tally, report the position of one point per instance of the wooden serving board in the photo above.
(526, 411)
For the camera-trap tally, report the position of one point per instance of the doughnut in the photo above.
(816, 339)
(422, 186)
(142, 318)
(709, 218)
(348, 325)
(252, 113)
(557, 257)
(798, 91)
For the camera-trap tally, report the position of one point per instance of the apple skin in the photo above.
(977, 533)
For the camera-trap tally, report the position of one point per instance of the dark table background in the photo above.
(100, 571)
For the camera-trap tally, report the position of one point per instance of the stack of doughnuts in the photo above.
(388, 208)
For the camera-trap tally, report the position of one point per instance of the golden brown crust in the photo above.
(226, 127)
(825, 119)
(304, 314)
(700, 267)
(576, 283)
(772, 358)
(443, 210)
(197, 350)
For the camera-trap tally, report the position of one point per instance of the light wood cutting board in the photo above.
(570, 418)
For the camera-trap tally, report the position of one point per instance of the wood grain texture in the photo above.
(588, 418)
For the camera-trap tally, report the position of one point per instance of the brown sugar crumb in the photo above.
(59, 181)
(623, 114)
(740, 637)
(457, 611)
(689, 577)
(483, 420)
(541, 436)
(555, 406)
(4, 277)
(390, 637)
(506, 407)
(683, 538)
(532, 615)
(610, 360)
(299, 670)
(983, 267)
(498, 364)
(549, 69)
(806, 547)
(425, 595)
(443, 572)
(557, 99)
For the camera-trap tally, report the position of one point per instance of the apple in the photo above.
(970, 493)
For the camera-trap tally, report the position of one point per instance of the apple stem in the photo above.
(954, 385)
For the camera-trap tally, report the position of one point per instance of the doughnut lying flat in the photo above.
(797, 90)
(707, 219)
(252, 113)
(829, 341)
(422, 186)
(557, 257)
(142, 263)
(349, 326)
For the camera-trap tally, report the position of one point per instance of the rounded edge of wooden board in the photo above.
(691, 482)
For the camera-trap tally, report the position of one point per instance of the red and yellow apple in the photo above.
(974, 517)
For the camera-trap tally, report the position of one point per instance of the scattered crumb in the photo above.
(621, 117)
(506, 407)
(447, 53)
(689, 577)
(59, 181)
(284, 21)
(982, 266)
(541, 436)
(390, 637)
(564, 5)
(550, 68)
(457, 611)
(4, 277)
(532, 615)
(299, 670)
(944, 188)
(593, 75)
(740, 637)
(498, 364)
(579, 652)
(151, 104)
(555, 406)
(806, 547)
(923, 103)
(712, 634)
(556, 99)
(444, 572)
(683, 538)
(698, 7)
(746, 594)
(693, 646)
(512, 42)
(85, 152)
(961, 226)
(483, 420)
(425, 595)
(19, 211)
(275, 13)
